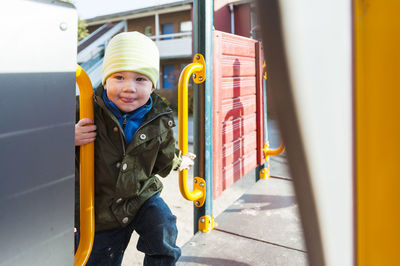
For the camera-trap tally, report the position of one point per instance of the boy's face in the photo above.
(128, 90)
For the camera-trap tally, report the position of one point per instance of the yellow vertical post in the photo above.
(86, 172)
(377, 127)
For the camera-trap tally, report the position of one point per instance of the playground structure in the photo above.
(331, 109)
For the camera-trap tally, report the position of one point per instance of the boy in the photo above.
(133, 142)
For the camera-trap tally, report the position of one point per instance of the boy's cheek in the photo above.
(106, 83)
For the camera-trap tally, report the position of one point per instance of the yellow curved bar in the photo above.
(199, 185)
(265, 70)
(86, 172)
(275, 152)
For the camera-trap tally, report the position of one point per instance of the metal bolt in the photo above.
(200, 78)
(197, 204)
(194, 76)
(63, 26)
(202, 184)
(262, 171)
(202, 220)
(195, 180)
(197, 57)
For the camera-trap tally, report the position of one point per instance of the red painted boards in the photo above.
(237, 108)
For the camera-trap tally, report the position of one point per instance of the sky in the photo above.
(93, 8)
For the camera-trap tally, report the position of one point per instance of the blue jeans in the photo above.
(156, 226)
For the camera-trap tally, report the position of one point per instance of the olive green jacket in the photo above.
(125, 175)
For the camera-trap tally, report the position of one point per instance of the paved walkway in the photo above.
(260, 228)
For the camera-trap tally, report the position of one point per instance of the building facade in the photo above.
(170, 26)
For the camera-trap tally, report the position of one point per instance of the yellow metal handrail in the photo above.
(198, 67)
(265, 70)
(86, 234)
(274, 152)
(265, 172)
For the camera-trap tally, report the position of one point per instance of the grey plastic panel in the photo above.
(36, 130)
(37, 116)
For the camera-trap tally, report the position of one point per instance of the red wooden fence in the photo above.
(238, 135)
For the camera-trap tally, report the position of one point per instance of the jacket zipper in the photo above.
(124, 122)
(123, 144)
(122, 136)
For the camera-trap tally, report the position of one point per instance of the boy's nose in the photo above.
(130, 87)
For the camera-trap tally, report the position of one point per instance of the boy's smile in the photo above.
(128, 90)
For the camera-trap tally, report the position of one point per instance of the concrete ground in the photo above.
(261, 228)
(183, 209)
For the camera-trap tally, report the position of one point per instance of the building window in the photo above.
(147, 31)
(167, 29)
(169, 78)
(185, 26)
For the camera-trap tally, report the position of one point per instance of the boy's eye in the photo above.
(118, 77)
(141, 79)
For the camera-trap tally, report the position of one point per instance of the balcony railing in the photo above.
(171, 36)
(174, 45)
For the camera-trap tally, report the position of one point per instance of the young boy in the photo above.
(134, 141)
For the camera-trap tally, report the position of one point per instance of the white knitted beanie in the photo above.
(131, 51)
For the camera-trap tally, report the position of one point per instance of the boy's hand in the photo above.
(85, 132)
(187, 161)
